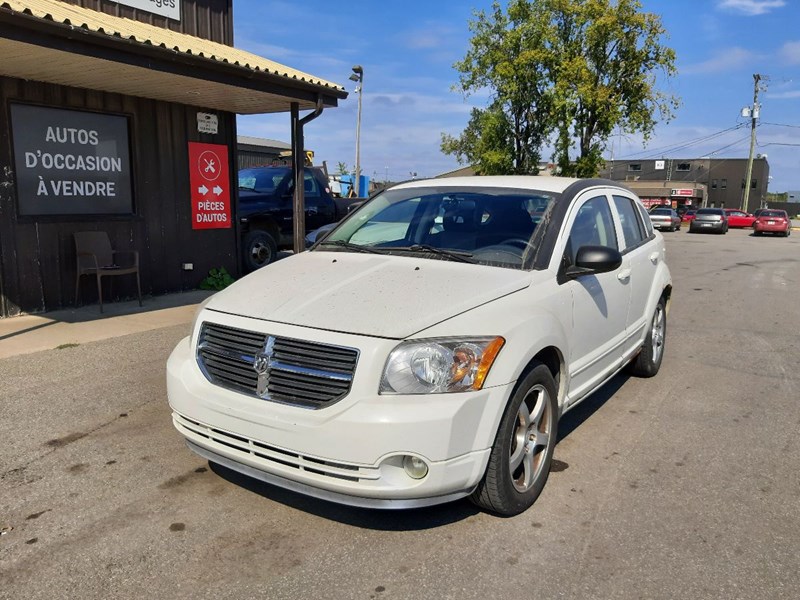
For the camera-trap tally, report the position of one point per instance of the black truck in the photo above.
(266, 210)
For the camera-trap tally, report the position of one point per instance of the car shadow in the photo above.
(586, 408)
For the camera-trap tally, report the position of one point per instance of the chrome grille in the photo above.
(293, 371)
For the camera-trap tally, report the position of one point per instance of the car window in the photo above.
(710, 211)
(593, 226)
(773, 213)
(648, 224)
(631, 227)
(660, 211)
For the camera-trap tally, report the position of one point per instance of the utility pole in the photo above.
(754, 114)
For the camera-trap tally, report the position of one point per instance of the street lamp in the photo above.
(358, 76)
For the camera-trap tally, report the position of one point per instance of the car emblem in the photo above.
(261, 364)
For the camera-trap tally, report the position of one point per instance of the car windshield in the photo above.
(772, 214)
(662, 211)
(263, 180)
(710, 211)
(490, 226)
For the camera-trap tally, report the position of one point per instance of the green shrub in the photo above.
(218, 279)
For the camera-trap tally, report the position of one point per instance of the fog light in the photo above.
(415, 467)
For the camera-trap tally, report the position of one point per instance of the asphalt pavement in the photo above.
(680, 486)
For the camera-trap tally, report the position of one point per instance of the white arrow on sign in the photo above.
(217, 190)
(203, 190)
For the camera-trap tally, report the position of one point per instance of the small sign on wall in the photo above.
(659, 165)
(207, 123)
(166, 8)
(210, 184)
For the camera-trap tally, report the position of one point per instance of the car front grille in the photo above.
(280, 369)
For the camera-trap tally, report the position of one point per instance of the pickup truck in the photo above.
(266, 210)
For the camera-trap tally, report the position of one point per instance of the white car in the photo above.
(417, 370)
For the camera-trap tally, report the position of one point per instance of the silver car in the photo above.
(665, 218)
(711, 220)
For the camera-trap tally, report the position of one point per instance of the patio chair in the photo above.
(95, 256)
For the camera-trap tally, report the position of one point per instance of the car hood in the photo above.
(381, 296)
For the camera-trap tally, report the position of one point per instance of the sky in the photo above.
(407, 51)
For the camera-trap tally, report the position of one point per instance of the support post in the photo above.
(298, 171)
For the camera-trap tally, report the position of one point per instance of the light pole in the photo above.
(358, 76)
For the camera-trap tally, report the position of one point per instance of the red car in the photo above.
(688, 216)
(738, 218)
(773, 221)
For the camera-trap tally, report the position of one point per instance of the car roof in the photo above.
(532, 182)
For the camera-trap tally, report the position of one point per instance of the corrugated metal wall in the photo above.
(208, 19)
(37, 255)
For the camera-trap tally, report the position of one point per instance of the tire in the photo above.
(648, 361)
(523, 447)
(258, 249)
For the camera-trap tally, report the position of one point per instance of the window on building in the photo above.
(753, 183)
(684, 167)
(723, 184)
(635, 167)
(713, 184)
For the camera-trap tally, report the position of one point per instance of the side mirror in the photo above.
(592, 260)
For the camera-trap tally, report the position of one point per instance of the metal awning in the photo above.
(56, 42)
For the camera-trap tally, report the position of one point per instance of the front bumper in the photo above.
(350, 452)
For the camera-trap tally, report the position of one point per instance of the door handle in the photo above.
(654, 257)
(624, 275)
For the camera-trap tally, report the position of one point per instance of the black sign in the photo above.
(70, 162)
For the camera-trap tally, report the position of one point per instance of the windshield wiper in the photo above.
(450, 254)
(349, 246)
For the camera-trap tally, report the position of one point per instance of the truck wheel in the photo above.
(259, 249)
(523, 448)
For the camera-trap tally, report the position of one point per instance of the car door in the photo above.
(599, 302)
(640, 258)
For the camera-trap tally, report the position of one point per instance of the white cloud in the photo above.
(791, 94)
(790, 52)
(727, 59)
(751, 7)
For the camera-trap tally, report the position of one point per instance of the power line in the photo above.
(781, 125)
(654, 153)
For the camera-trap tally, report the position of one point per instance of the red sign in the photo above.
(682, 192)
(211, 194)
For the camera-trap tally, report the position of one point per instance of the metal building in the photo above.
(119, 116)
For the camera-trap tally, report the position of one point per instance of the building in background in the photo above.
(259, 152)
(706, 181)
(119, 116)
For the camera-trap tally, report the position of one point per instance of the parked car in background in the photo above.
(773, 221)
(710, 220)
(432, 359)
(688, 216)
(739, 218)
(665, 218)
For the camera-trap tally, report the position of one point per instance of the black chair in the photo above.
(95, 256)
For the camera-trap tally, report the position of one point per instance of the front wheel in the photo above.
(648, 361)
(523, 448)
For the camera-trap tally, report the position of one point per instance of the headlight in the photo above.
(197, 316)
(439, 365)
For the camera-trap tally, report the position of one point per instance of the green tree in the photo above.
(574, 69)
(506, 51)
(341, 169)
